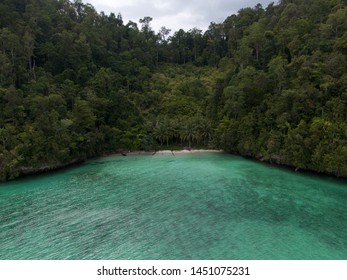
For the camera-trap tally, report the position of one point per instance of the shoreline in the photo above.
(165, 152)
(188, 151)
(32, 171)
(207, 151)
(26, 171)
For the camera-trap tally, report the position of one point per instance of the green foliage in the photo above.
(269, 83)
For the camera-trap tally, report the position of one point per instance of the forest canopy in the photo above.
(267, 83)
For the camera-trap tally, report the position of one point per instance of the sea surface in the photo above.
(183, 207)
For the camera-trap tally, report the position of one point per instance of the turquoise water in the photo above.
(195, 206)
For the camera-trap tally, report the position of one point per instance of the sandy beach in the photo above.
(185, 151)
(171, 152)
(164, 152)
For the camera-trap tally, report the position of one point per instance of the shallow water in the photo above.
(192, 206)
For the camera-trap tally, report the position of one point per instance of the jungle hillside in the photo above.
(268, 83)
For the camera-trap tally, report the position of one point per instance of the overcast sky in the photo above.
(175, 14)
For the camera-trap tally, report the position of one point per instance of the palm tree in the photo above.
(204, 131)
(158, 133)
(189, 132)
(163, 131)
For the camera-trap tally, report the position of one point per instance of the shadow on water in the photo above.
(300, 172)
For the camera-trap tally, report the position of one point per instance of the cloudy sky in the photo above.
(175, 14)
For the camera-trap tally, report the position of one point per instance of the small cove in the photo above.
(188, 206)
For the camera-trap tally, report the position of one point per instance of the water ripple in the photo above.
(186, 207)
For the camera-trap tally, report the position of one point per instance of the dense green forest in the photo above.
(268, 83)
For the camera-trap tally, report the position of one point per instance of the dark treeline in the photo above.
(269, 83)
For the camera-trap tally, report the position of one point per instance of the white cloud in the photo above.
(175, 14)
